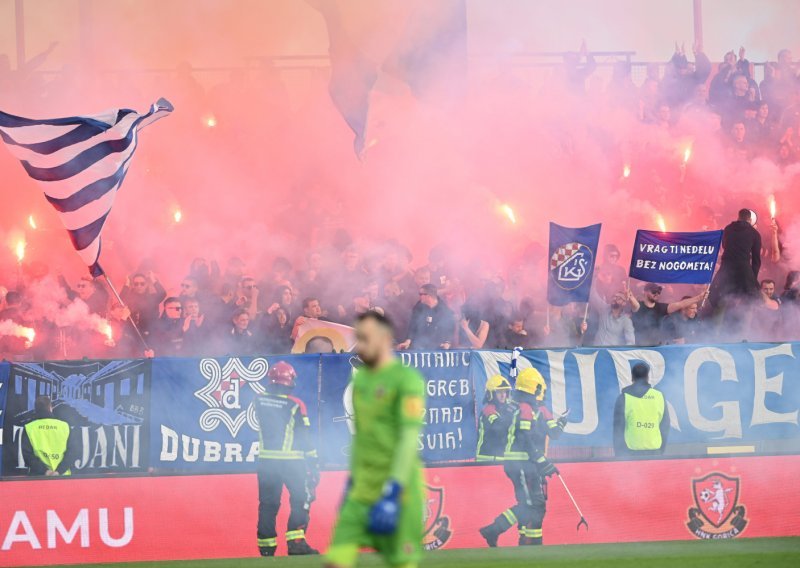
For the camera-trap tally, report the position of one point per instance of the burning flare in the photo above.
(8, 327)
(19, 250)
(210, 121)
(106, 329)
(687, 153)
(773, 207)
(626, 171)
(661, 224)
(509, 213)
(32, 222)
(177, 216)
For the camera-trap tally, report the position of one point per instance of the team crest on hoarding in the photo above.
(717, 512)
(437, 524)
(222, 393)
(570, 265)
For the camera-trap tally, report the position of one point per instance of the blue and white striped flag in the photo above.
(80, 162)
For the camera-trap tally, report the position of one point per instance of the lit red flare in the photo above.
(662, 225)
(177, 215)
(19, 250)
(8, 327)
(773, 207)
(32, 222)
(626, 171)
(509, 213)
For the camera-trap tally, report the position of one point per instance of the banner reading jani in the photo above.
(675, 258)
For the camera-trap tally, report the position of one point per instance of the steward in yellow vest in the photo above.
(46, 445)
(641, 420)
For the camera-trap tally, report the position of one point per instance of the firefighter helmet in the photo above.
(282, 373)
(532, 382)
(498, 383)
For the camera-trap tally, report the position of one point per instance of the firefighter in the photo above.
(287, 458)
(497, 420)
(545, 427)
(47, 446)
(525, 465)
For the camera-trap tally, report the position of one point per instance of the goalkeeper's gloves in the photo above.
(384, 514)
(545, 467)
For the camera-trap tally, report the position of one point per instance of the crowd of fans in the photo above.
(218, 312)
(242, 309)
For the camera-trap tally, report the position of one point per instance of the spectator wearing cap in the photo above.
(649, 313)
(641, 420)
(432, 324)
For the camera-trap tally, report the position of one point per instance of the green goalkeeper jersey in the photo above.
(386, 402)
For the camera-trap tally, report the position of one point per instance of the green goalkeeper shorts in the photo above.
(402, 547)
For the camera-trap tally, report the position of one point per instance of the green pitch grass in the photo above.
(739, 553)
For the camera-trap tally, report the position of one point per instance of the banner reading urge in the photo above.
(675, 258)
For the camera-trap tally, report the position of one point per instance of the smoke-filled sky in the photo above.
(277, 173)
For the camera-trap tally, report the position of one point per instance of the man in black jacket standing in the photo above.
(432, 325)
(737, 277)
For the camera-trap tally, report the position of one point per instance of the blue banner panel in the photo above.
(716, 394)
(450, 433)
(675, 258)
(105, 402)
(572, 255)
(202, 417)
(4, 368)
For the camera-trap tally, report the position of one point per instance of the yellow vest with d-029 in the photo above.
(643, 420)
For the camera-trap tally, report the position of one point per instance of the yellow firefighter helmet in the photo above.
(532, 382)
(498, 383)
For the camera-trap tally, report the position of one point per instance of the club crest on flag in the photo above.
(572, 255)
(571, 264)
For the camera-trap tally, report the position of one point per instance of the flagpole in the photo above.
(130, 317)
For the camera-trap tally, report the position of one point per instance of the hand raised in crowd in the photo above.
(404, 345)
(741, 53)
(584, 327)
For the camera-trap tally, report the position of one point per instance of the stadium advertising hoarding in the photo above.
(65, 521)
(105, 402)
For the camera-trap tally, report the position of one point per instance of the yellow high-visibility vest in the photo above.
(48, 437)
(643, 420)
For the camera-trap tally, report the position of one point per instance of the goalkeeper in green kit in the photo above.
(383, 506)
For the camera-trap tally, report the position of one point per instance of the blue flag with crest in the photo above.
(572, 255)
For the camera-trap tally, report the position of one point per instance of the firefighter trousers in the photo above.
(529, 510)
(273, 476)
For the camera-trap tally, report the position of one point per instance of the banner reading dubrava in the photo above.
(203, 414)
(675, 258)
(105, 403)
